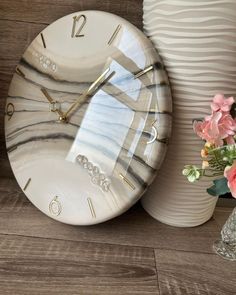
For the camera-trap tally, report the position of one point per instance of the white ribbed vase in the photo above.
(197, 42)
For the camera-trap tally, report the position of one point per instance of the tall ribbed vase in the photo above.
(197, 42)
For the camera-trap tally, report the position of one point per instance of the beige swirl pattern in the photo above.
(197, 42)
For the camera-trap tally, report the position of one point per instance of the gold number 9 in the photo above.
(10, 110)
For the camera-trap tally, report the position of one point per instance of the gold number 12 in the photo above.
(75, 20)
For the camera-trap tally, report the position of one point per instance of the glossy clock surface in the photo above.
(88, 117)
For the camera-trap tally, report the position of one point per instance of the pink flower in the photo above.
(227, 128)
(220, 103)
(230, 174)
(216, 128)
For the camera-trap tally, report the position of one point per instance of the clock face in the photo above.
(88, 117)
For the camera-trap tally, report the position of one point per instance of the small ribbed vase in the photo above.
(197, 42)
(226, 246)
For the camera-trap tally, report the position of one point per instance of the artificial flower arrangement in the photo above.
(218, 130)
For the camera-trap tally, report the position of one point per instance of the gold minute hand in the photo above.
(81, 100)
(89, 92)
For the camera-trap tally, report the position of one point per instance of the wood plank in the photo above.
(14, 39)
(228, 201)
(222, 214)
(47, 266)
(134, 228)
(190, 273)
(4, 163)
(44, 11)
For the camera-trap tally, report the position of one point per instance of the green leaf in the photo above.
(185, 172)
(220, 187)
(191, 177)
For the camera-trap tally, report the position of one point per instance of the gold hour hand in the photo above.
(94, 87)
(46, 94)
(53, 104)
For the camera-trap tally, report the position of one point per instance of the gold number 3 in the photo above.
(75, 20)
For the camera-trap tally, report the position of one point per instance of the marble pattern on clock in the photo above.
(96, 132)
(111, 130)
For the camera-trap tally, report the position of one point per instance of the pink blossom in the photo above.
(230, 174)
(220, 103)
(216, 128)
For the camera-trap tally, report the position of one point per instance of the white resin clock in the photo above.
(88, 117)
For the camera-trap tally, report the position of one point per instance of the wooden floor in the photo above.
(132, 254)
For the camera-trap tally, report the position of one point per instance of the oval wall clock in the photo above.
(88, 117)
